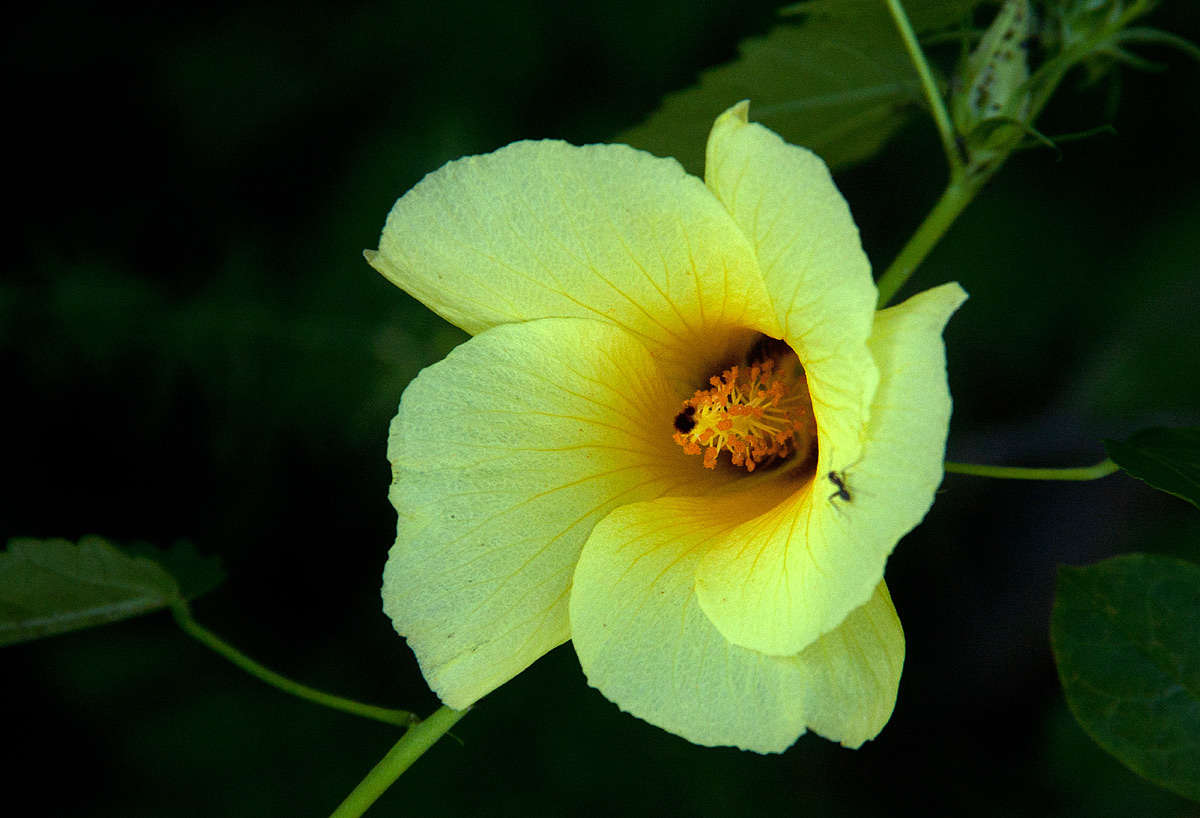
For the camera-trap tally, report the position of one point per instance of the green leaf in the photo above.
(1126, 637)
(838, 82)
(54, 586)
(195, 573)
(1168, 459)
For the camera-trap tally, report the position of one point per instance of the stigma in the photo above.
(754, 412)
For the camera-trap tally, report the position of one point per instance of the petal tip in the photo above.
(938, 303)
(739, 111)
(956, 289)
(382, 265)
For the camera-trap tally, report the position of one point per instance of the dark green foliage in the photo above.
(837, 81)
(49, 587)
(1126, 636)
(195, 573)
(1168, 459)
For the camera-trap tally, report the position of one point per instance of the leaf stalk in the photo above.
(183, 616)
(1079, 473)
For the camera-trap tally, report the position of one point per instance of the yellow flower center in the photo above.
(756, 413)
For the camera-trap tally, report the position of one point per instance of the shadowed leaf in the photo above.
(195, 573)
(1126, 637)
(1168, 459)
(49, 587)
(838, 82)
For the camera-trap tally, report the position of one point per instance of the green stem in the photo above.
(932, 94)
(183, 616)
(1102, 469)
(957, 195)
(970, 173)
(419, 738)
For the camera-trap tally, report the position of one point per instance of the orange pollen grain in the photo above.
(750, 412)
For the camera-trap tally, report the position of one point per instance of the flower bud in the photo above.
(992, 88)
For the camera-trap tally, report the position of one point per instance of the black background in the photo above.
(192, 348)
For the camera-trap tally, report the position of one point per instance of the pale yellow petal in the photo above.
(548, 229)
(817, 275)
(893, 486)
(646, 645)
(853, 672)
(782, 579)
(504, 455)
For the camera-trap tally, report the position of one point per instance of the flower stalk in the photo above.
(978, 143)
(954, 199)
(937, 106)
(411, 746)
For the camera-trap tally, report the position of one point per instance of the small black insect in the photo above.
(685, 421)
(839, 480)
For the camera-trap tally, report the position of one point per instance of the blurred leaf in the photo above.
(1126, 637)
(838, 82)
(1168, 459)
(1087, 782)
(194, 573)
(54, 586)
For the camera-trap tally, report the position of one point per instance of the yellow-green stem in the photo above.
(957, 195)
(1102, 469)
(933, 94)
(408, 749)
(183, 616)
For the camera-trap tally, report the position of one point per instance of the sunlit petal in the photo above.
(645, 644)
(852, 673)
(546, 229)
(504, 455)
(817, 275)
(779, 581)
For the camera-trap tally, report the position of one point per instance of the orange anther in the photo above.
(750, 412)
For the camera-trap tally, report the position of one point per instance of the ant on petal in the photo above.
(839, 480)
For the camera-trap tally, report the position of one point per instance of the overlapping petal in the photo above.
(504, 455)
(548, 229)
(817, 276)
(644, 642)
(782, 579)
(853, 672)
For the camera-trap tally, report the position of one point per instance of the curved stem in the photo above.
(1102, 469)
(419, 738)
(1155, 37)
(957, 195)
(209, 639)
(933, 95)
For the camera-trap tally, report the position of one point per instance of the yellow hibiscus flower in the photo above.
(681, 436)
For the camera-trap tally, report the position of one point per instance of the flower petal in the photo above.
(646, 645)
(504, 455)
(853, 672)
(546, 229)
(817, 275)
(782, 579)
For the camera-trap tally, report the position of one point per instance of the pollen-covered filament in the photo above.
(753, 412)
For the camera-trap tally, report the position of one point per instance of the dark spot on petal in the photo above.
(685, 420)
